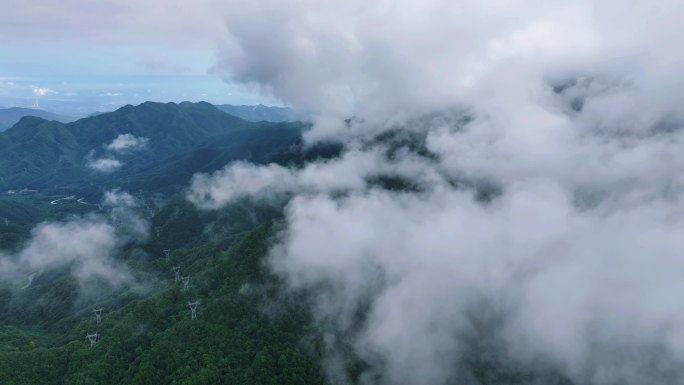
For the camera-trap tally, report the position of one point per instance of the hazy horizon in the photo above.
(79, 96)
(76, 58)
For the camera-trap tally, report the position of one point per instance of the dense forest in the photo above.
(246, 329)
(147, 336)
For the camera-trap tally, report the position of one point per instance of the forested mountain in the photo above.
(10, 116)
(147, 334)
(151, 338)
(166, 144)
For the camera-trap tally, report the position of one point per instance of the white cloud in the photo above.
(352, 172)
(238, 181)
(87, 244)
(111, 94)
(104, 164)
(491, 56)
(42, 91)
(571, 110)
(118, 198)
(122, 206)
(123, 143)
(127, 142)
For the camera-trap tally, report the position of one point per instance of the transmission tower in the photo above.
(186, 282)
(176, 271)
(30, 280)
(193, 309)
(98, 315)
(92, 337)
(167, 254)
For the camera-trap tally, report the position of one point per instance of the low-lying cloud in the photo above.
(121, 145)
(351, 172)
(86, 244)
(104, 165)
(542, 244)
(127, 142)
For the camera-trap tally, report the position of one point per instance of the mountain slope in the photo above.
(147, 335)
(10, 116)
(153, 340)
(41, 154)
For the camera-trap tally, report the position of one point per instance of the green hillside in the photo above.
(147, 334)
(10, 116)
(152, 339)
(181, 138)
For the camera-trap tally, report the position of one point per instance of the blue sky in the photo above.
(76, 57)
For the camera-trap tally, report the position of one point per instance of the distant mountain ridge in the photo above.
(10, 116)
(260, 113)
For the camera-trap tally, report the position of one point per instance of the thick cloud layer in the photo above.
(541, 237)
(389, 59)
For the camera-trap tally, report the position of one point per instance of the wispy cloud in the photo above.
(86, 244)
(111, 94)
(104, 165)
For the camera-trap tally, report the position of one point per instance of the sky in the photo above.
(79, 57)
